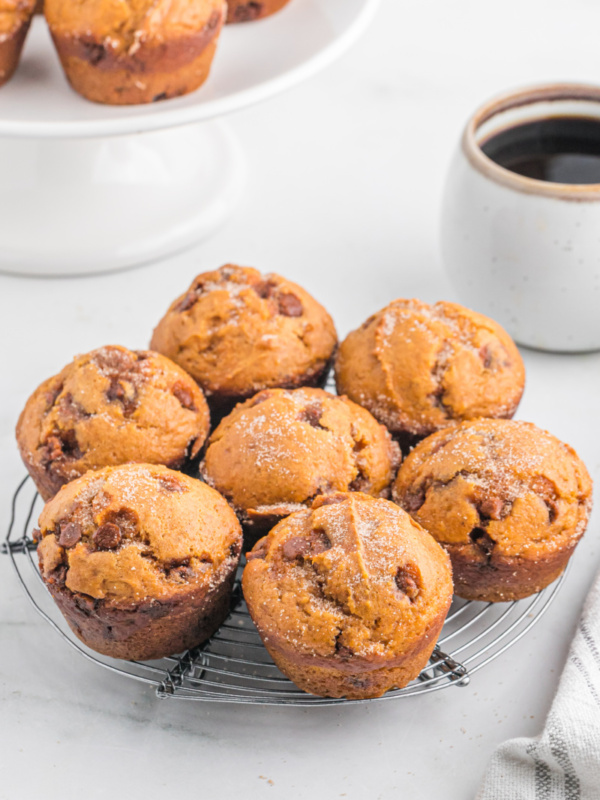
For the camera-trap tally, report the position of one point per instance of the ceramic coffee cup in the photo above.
(523, 251)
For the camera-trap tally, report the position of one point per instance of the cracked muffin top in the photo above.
(418, 367)
(136, 532)
(490, 489)
(14, 14)
(237, 331)
(280, 449)
(122, 27)
(109, 407)
(353, 577)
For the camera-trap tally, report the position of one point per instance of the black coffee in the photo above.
(556, 149)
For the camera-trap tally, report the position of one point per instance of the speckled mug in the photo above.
(523, 251)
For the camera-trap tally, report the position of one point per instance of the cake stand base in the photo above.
(79, 206)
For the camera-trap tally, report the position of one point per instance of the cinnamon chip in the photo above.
(491, 507)
(247, 12)
(407, 583)
(184, 394)
(107, 537)
(289, 305)
(298, 547)
(312, 414)
(170, 483)
(295, 548)
(482, 540)
(187, 302)
(70, 534)
(259, 551)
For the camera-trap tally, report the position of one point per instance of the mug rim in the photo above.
(516, 99)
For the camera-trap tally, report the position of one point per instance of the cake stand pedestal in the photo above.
(88, 188)
(70, 206)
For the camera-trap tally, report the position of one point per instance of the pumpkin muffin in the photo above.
(138, 51)
(237, 332)
(349, 597)
(249, 10)
(15, 18)
(277, 451)
(109, 407)
(418, 368)
(139, 559)
(507, 500)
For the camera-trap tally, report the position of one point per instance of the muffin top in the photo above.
(282, 448)
(136, 532)
(13, 13)
(418, 367)
(123, 26)
(353, 577)
(496, 487)
(109, 407)
(237, 332)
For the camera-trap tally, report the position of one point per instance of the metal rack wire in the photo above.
(234, 667)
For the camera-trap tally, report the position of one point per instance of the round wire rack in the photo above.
(234, 667)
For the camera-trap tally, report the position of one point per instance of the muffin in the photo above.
(507, 500)
(418, 368)
(237, 332)
(139, 559)
(135, 52)
(109, 407)
(349, 597)
(15, 18)
(248, 10)
(279, 450)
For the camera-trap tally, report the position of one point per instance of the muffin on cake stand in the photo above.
(92, 188)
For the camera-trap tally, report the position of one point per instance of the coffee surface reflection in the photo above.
(556, 149)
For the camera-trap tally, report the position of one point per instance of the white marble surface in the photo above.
(345, 181)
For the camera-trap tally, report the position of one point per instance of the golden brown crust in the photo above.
(279, 450)
(417, 368)
(151, 630)
(15, 18)
(349, 596)
(331, 681)
(140, 559)
(249, 10)
(504, 578)
(136, 52)
(109, 407)
(124, 87)
(507, 500)
(237, 331)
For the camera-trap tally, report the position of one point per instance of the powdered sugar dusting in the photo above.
(346, 578)
(506, 468)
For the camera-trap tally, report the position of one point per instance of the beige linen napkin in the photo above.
(564, 761)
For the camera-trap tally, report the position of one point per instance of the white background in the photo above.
(345, 177)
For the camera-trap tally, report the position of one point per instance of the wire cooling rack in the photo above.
(234, 667)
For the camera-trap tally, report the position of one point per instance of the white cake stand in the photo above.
(89, 188)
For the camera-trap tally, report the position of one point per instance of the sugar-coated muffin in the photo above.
(138, 51)
(237, 332)
(418, 368)
(508, 501)
(248, 10)
(15, 18)
(279, 450)
(139, 559)
(109, 407)
(349, 596)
